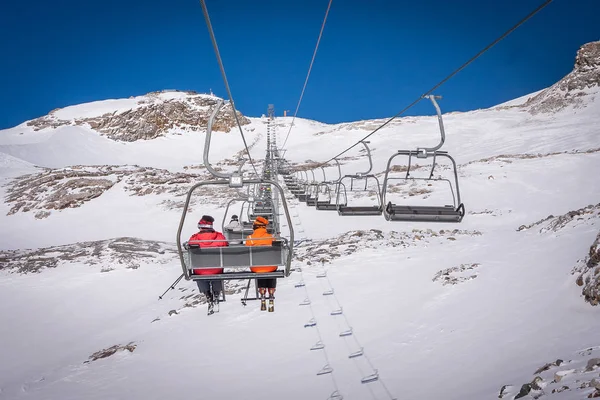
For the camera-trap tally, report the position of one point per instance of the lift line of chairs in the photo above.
(333, 194)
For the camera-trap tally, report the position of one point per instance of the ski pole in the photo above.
(171, 287)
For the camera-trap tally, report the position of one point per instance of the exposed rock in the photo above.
(110, 351)
(525, 389)
(127, 251)
(547, 366)
(504, 391)
(455, 275)
(325, 251)
(592, 364)
(588, 271)
(57, 189)
(571, 89)
(554, 224)
(153, 117)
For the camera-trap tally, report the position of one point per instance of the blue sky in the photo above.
(375, 57)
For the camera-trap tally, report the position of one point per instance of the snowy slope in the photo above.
(449, 311)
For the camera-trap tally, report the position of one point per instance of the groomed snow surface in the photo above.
(517, 309)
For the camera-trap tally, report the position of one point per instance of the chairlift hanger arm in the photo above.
(411, 153)
(360, 174)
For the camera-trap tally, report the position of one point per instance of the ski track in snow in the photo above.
(427, 340)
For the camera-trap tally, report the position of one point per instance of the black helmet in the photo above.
(234, 217)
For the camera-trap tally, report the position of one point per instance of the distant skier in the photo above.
(208, 237)
(260, 237)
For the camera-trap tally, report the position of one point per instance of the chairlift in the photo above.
(339, 311)
(238, 234)
(311, 190)
(440, 213)
(345, 209)
(325, 201)
(233, 258)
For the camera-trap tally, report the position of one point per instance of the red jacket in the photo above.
(218, 240)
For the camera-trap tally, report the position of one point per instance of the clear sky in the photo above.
(375, 57)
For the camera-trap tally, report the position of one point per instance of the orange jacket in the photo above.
(260, 237)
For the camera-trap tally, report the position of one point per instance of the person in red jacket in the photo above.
(208, 237)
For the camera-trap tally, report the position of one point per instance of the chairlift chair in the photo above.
(440, 213)
(232, 258)
(236, 236)
(345, 209)
(325, 201)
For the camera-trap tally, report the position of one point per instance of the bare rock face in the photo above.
(127, 252)
(588, 271)
(571, 90)
(153, 117)
(58, 189)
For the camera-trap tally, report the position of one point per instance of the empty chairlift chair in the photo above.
(237, 235)
(356, 187)
(429, 213)
(325, 199)
(311, 191)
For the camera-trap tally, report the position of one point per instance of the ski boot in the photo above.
(263, 300)
(271, 304)
(271, 300)
(210, 302)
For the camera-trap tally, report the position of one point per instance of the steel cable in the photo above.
(221, 66)
(447, 78)
(308, 74)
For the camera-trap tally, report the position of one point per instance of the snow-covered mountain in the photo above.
(503, 304)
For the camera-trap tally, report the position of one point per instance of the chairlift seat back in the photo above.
(359, 210)
(236, 257)
(425, 213)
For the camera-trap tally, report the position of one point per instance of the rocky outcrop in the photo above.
(104, 353)
(325, 251)
(153, 117)
(108, 254)
(588, 274)
(576, 377)
(58, 189)
(555, 223)
(570, 91)
(456, 275)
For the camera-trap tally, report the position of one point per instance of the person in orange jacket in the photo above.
(208, 237)
(260, 237)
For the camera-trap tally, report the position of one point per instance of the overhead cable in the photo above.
(218, 54)
(456, 71)
(312, 61)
